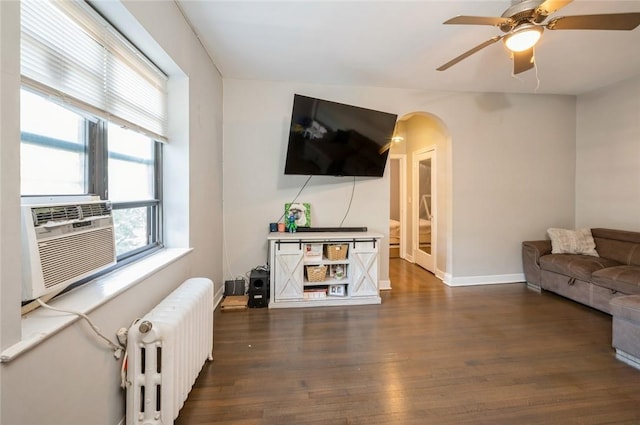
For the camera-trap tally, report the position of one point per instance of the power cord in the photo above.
(262, 268)
(296, 198)
(118, 349)
(535, 65)
(353, 189)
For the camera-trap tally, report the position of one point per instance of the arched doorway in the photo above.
(423, 139)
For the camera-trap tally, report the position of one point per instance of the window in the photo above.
(62, 154)
(93, 118)
(133, 186)
(53, 150)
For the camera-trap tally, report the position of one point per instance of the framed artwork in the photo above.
(300, 211)
(337, 290)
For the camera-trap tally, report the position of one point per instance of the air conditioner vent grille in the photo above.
(95, 209)
(68, 257)
(58, 213)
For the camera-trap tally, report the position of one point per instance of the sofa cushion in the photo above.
(625, 279)
(620, 245)
(578, 266)
(618, 235)
(627, 308)
(565, 241)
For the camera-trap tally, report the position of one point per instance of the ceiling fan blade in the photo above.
(477, 20)
(523, 61)
(470, 52)
(551, 6)
(611, 21)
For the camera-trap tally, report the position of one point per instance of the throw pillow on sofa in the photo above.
(579, 241)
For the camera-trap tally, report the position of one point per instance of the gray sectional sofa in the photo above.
(590, 280)
(609, 282)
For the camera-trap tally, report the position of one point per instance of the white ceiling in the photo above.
(400, 44)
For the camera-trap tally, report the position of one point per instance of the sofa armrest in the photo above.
(531, 253)
(541, 247)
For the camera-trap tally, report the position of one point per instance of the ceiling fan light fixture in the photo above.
(523, 37)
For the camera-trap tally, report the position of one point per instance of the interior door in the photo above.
(424, 214)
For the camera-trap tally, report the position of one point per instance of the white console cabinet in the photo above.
(305, 274)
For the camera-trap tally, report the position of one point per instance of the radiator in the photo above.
(166, 350)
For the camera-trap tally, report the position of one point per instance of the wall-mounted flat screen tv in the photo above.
(334, 139)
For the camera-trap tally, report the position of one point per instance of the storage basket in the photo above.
(316, 273)
(337, 252)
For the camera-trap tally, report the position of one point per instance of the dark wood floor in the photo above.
(430, 354)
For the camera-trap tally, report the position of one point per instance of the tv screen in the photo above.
(334, 139)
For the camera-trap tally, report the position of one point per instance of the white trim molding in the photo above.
(384, 285)
(483, 280)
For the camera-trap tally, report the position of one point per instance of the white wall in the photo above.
(9, 190)
(71, 378)
(513, 158)
(256, 128)
(513, 177)
(608, 157)
(200, 144)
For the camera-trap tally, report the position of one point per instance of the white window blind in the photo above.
(71, 53)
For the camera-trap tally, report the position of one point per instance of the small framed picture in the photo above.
(301, 213)
(337, 290)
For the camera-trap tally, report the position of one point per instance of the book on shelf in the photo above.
(313, 293)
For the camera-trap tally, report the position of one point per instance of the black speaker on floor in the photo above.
(258, 288)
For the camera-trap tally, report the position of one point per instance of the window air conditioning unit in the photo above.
(63, 243)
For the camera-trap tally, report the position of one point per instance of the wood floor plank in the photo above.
(429, 354)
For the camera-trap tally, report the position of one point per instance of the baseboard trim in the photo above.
(627, 358)
(483, 280)
(217, 297)
(533, 287)
(384, 285)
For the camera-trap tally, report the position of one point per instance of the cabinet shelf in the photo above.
(327, 282)
(322, 261)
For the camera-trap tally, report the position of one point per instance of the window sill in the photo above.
(41, 324)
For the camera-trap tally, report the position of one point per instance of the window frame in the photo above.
(96, 151)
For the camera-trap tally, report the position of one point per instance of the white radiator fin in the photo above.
(164, 361)
(66, 257)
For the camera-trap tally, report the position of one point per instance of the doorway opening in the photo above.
(397, 208)
(419, 224)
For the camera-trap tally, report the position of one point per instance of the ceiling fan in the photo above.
(523, 24)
